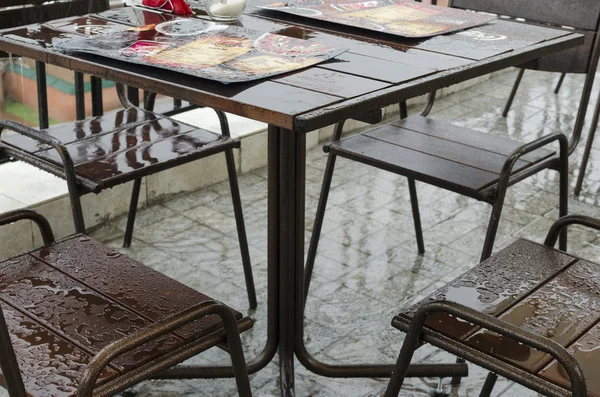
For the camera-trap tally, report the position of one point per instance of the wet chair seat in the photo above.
(455, 158)
(118, 147)
(66, 302)
(530, 313)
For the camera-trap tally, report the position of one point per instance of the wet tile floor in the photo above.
(367, 268)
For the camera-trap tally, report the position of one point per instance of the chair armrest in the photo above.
(521, 151)
(40, 221)
(565, 221)
(69, 167)
(130, 342)
(503, 328)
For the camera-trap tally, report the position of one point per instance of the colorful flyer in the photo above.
(228, 54)
(404, 18)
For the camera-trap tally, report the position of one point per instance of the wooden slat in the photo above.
(561, 310)
(330, 82)
(78, 314)
(433, 170)
(577, 13)
(495, 284)
(494, 38)
(375, 68)
(587, 353)
(489, 142)
(343, 110)
(84, 129)
(144, 291)
(453, 151)
(141, 160)
(126, 138)
(50, 365)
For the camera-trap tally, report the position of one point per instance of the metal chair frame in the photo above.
(417, 333)
(78, 185)
(87, 387)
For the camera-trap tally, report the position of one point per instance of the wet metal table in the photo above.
(377, 70)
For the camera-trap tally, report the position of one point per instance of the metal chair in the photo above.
(105, 151)
(529, 313)
(79, 319)
(467, 162)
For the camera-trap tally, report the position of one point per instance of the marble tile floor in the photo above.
(367, 267)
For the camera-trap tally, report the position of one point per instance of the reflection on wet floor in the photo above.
(367, 267)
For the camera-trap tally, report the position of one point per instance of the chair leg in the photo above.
(559, 84)
(97, 101)
(9, 364)
(414, 202)
(457, 379)
(410, 344)
(563, 205)
(403, 110)
(133, 204)
(40, 69)
(316, 234)
(77, 211)
(492, 229)
(241, 228)
(238, 363)
(588, 149)
(79, 96)
(511, 98)
(488, 386)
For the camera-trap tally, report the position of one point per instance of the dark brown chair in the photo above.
(79, 319)
(464, 161)
(529, 313)
(105, 151)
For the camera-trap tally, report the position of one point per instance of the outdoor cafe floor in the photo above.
(367, 267)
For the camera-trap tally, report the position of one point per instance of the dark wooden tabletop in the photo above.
(377, 70)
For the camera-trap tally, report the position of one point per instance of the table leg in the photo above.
(290, 240)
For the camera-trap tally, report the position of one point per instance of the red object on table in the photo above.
(178, 7)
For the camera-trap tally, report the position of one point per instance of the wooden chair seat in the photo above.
(65, 302)
(533, 287)
(438, 153)
(120, 146)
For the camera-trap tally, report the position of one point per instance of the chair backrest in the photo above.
(582, 15)
(22, 12)
(579, 14)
